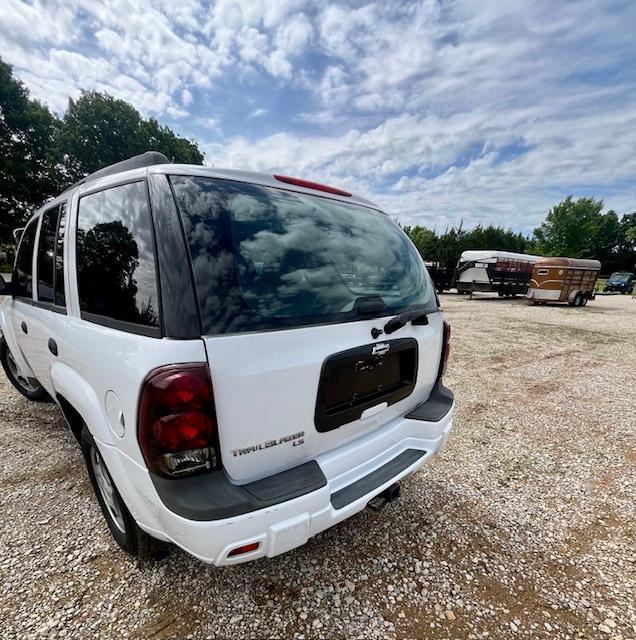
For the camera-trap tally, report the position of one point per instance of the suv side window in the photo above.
(116, 271)
(46, 246)
(24, 261)
(60, 296)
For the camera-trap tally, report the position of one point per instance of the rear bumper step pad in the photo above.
(376, 478)
(436, 407)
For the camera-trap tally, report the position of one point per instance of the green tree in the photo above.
(424, 240)
(98, 130)
(157, 137)
(627, 247)
(606, 241)
(28, 173)
(570, 227)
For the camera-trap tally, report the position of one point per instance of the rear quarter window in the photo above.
(115, 257)
(24, 261)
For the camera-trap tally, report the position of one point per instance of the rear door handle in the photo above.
(53, 346)
(24, 327)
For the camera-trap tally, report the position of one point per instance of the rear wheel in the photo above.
(122, 525)
(29, 387)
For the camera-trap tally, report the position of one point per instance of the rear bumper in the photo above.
(373, 463)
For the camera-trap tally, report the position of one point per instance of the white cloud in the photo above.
(186, 97)
(441, 111)
(211, 124)
(257, 113)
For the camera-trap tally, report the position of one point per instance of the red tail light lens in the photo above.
(445, 349)
(177, 422)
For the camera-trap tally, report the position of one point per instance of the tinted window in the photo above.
(267, 258)
(46, 247)
(115, 258)
(60, 297)
(24, 260)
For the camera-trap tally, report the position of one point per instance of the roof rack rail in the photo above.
(146, 159)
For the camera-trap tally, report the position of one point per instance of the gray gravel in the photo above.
(523, 527)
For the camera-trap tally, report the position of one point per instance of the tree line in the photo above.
(41, 154)
(573, 228)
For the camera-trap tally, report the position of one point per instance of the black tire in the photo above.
(30, 388)
(578, 300)
(122, 525)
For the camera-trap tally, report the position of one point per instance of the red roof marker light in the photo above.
(308, 184)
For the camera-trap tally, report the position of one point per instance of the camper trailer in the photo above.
(502, 272)
(568, 280)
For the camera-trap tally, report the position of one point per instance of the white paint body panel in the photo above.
(474, 274)
(290, 524)
(265, 387)
(543, 294)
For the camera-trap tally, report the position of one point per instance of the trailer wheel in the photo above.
(584, 300)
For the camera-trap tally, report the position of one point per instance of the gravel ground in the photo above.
(523, 527)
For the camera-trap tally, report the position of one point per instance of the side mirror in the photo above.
(3, 257)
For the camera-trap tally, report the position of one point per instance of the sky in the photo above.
(440, 111)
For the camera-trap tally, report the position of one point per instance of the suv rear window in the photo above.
(266, 258)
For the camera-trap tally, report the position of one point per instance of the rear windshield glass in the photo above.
(266, 258)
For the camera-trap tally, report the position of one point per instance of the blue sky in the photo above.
(488, 111)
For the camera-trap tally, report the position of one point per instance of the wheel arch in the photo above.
(73, 418)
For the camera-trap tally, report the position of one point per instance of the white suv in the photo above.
(245, 359)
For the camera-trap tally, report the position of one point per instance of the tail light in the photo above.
(177, 422)
(308, 184)
(445, 349)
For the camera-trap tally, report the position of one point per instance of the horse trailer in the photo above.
(568, 280)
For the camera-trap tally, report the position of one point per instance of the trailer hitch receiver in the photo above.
(382, 499)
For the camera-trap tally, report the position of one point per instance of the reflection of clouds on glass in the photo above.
(262, 256)
(246, 208)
